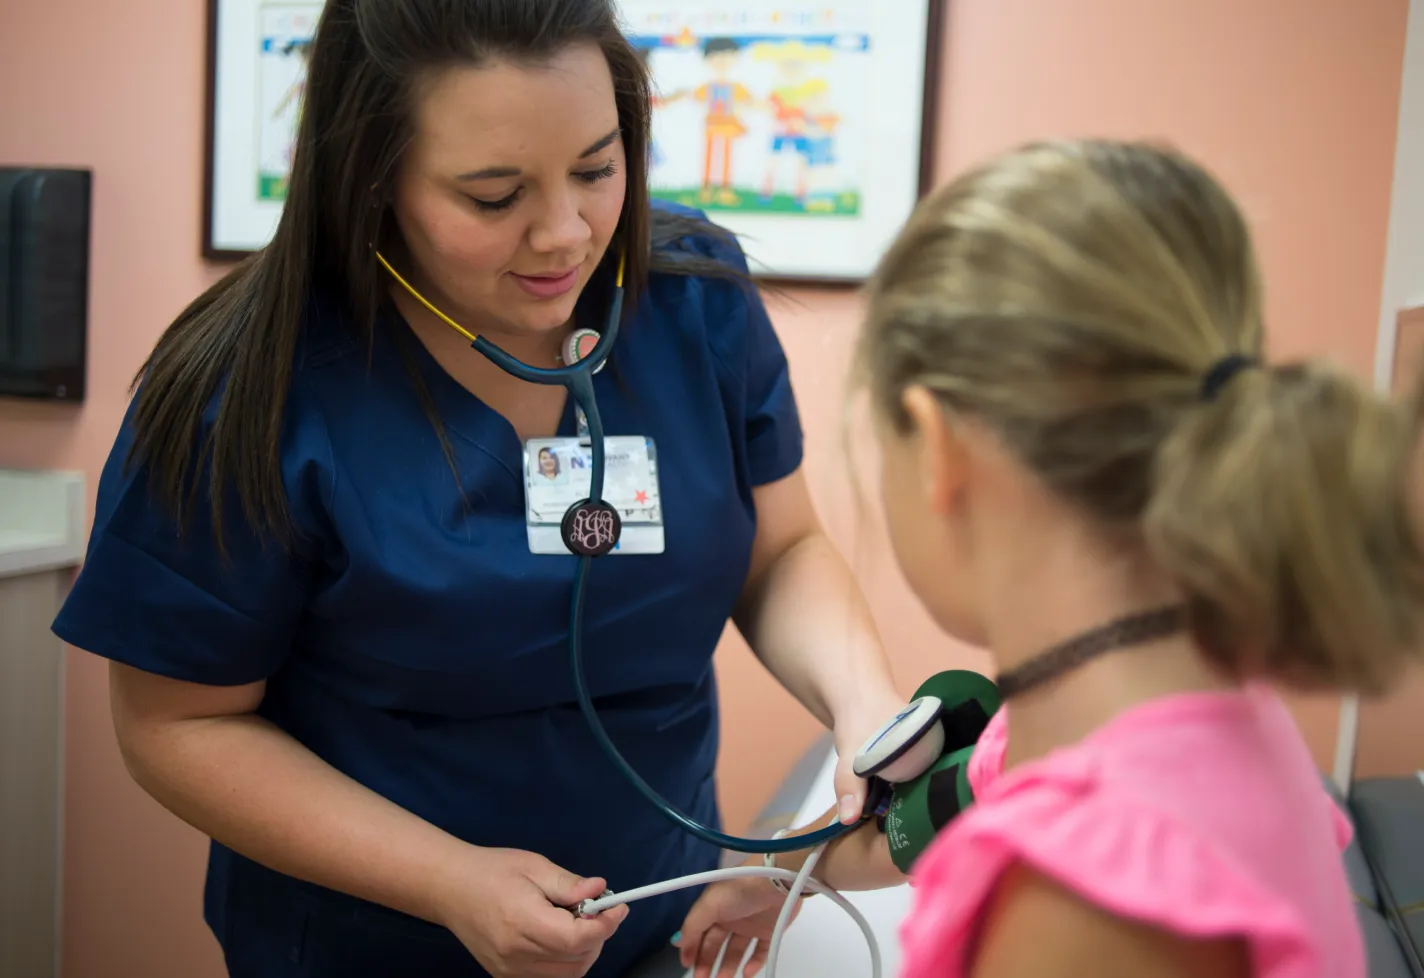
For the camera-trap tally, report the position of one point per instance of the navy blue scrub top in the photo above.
(413, 642)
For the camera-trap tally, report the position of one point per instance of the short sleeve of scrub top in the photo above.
(410, 639)
(165, 601)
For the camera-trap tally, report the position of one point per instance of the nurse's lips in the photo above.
(549, 286)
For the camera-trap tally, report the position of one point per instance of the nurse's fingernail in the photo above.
(676, 939)
(848, 808)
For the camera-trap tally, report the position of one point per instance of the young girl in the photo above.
(1088, 470)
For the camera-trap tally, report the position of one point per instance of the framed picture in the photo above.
(257, 51)
(805, 128)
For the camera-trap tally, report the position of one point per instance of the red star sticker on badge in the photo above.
(641, 496)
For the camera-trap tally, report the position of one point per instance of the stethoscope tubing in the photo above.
(721, 839)
(577, 377)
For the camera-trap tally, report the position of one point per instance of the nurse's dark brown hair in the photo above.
(366, 61)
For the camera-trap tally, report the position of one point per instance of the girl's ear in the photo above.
(943, 457)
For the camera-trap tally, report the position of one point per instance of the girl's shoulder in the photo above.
(1163, 816)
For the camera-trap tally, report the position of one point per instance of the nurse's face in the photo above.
(512, 187)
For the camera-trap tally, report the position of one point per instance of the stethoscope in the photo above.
(591, 528)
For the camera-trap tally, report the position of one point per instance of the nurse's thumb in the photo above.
(567, 889)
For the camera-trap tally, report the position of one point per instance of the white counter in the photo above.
(41, 520)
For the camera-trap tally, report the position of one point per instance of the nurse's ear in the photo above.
(941, 450)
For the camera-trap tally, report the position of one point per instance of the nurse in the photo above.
(336, 648)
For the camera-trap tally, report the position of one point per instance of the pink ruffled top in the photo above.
(1199, 813)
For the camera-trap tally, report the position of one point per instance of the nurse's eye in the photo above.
(503, 204)
(593, 176)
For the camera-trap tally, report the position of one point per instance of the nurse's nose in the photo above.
(561, 229)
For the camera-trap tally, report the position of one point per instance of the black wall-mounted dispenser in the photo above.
(44, 281)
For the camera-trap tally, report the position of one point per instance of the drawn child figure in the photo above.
(280, 130)
(787, 104)
(301, 47)
(722, 97)
(822, 121)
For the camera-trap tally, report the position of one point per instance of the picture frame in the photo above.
(767, 116)
(256, 69)
(792, 170)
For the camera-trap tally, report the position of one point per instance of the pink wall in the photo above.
(1293, 101)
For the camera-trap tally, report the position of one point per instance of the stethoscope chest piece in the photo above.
(591, 529)
(579, 345)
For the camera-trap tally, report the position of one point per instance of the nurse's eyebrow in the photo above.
(603, 143)
(492, 172)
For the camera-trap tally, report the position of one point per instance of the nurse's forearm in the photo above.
(807, 621)
(858, 860)
(252, 787)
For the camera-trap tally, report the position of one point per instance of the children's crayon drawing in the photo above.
(759, 110)
(285, 41)
(756, 111)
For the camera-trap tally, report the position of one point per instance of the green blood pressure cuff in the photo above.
(919, 808)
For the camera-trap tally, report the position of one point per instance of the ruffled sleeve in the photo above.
(1112, 850)
(987, 761)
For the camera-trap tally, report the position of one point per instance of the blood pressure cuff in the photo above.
(919, 808)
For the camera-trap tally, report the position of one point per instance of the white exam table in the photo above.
(823, 941)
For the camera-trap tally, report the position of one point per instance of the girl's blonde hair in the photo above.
(1074, 297)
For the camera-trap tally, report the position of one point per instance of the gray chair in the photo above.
(1385, 867)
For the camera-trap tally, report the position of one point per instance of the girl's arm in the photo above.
(858, 860)
(1034, 926)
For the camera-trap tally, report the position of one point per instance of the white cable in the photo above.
(801, 881)
(747, 956)
(722, 953)
(784, 918)
(721, 956)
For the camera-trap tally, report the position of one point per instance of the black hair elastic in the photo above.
(1222, 371)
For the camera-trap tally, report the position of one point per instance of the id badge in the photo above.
(558, 473)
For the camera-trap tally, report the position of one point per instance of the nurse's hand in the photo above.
(734, 912)
(853, 728)
(509, 911)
